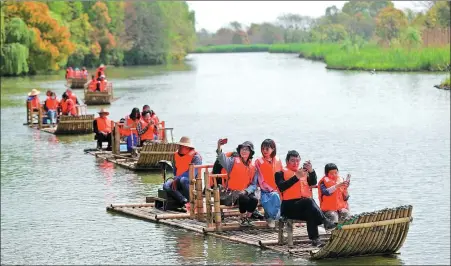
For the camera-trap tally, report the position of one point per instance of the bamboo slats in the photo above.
(99, 97)
(380, 232)
(151, 153)
(75, 124)
(76, 83)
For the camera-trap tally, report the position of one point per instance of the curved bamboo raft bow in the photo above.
(379, 232)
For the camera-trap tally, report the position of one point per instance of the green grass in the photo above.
(446, 83)
(232, 48)
(368, 57)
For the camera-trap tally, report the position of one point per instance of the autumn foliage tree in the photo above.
(389, 23)
(51, 45)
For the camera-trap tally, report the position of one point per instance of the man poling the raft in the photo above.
(178, 187)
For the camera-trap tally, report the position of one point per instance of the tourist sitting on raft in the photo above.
(145, 128)
(242, 180)
(295, 185)
(34, 99)
(102, 84)
(84, 72)
(72, 96)
(51, 107)
(102, 129)
(218, 169)
(68, 106)
(129, 127)
(100, 72)
(92, 86)
(267, 166)
(178, 187)
(333, 194)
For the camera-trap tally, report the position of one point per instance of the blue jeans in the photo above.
(52, 116)
(271, 204)
(181, 194)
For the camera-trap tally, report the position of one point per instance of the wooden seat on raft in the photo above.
(152, 153)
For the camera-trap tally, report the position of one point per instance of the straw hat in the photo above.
(185, 141)
(33, 92)
(104, 111)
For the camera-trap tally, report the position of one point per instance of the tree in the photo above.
(389, 23)
(411, 37)
(52, 45)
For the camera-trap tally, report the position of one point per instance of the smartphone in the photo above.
(348, 178)
(224, 141)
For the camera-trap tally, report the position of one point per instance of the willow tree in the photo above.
(16, 40)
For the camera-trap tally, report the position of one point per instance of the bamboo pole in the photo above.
(191, 189)
(116, 137)
(236, 227)
(290, 232)
(280, 233)
(165, 216)
(40, 116)
(199, 196)
(207, 198)
(217, 208)
(139, 205)
(203, 166)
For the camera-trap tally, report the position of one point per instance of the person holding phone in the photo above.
(242, 177)
(297, 203)
(333, 194)
(267, 166)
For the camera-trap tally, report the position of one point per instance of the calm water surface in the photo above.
(391, 131)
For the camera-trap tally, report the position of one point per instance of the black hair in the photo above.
(135, 113)
(271, 144)
(329, 167)
(292, 153)
(145, 112)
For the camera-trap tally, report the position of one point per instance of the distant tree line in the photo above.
(357, 22)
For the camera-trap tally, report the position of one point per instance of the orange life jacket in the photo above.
(51, 104)
(73, 97)
(182, 162)
(101, 70)
(92, 85)
(268, 170)
(35, 104)
(149, 134)
(103, 85)
(300, 189)
(335, 201)
(103, 124)
(241, 175)
(223, 171)
(130, 123)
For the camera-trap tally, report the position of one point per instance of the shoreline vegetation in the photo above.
(445, 85)
(343, 57)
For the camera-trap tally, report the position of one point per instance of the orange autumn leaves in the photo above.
(51, 44)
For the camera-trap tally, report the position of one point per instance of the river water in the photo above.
(391, 131)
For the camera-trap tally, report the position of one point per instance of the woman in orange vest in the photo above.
(68, 106)
(218, 169)
(92, 86)
(242, 180)
(178, 187)
(102, 128)
(333, 194)
(267, 166)
(297, 203)
(145, 128)
(51, 106)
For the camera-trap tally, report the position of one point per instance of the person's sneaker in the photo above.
(317, 243)
(249, 221)
(257, 215)
(243, 221)
(271, 223)
(328, 224)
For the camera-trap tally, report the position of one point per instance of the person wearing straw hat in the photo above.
(178, 187)
(34, 99)
(102, 129)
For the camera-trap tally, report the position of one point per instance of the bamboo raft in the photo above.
(380, 232)
(145, 158)
(67, 125)
(99, 97)
(77, 82)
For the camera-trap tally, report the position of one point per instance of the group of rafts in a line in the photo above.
(67, 106)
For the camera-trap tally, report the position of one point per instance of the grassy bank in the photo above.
(368, 57)
(445, 85)
(233, 48)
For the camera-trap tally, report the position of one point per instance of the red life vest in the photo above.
(335, 201)
(103, 124)
(182, 162)
(300, 189)
(241, 175)
(148, 135)
(268, 170)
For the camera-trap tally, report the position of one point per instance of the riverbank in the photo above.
(445, 85)
(338, 56)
